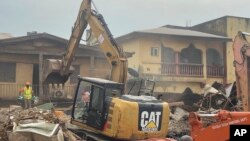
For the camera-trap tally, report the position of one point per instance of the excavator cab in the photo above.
(93, 112)
(109, 113)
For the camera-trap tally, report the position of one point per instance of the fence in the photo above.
(11, 91)
(215, 71)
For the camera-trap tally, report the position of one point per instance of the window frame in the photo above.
(155, 51)
(8, 72)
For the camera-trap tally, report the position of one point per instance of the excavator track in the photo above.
(90, 136)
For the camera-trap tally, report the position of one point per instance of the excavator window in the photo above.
(81, 104)
(113, 92)
(97, 98)
(97, 107)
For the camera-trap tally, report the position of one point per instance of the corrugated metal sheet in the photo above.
(180, 32)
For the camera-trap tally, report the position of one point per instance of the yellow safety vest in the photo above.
(27, 93)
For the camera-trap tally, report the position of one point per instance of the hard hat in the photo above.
(186, 138)
(27, 83)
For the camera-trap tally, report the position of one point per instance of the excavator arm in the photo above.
(113, 52)
(56, 71)
(241, 50)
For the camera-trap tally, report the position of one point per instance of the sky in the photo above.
(57, 17)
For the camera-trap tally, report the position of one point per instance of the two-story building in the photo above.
(180, 57)
(176, 58)
(226, 26)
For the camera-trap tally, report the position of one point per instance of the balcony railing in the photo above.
(215, 71)
(182, 69)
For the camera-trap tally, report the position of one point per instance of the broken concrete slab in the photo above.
(178, 114)
(38, 126)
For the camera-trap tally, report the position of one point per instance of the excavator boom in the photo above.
(58, 71)
(242, 68)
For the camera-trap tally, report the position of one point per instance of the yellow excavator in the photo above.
(108, 114)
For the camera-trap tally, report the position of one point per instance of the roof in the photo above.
(32, 37)
(175, 32)
(181, 32)
(98, 80)
(220, 18)
(35, 36)
(103, 82)
(5, 35)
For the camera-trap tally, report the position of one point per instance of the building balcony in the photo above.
(182, 69)
(182, 72)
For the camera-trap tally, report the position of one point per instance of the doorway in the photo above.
(35, 79)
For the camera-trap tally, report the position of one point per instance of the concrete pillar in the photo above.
(204, 62)
(177, 63)
(40, 75)
(225, 63)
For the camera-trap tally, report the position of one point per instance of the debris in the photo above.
(34, 124)
(178, 114)
(176, 104)
(218, 97)
(190, 98)
(46, 106)
(70, 136)
(178, 124)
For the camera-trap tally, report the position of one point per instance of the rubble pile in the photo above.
(34, 124)
(178, 124)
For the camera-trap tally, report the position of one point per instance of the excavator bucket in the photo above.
(52, 72)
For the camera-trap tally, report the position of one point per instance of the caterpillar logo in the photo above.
(150, 118)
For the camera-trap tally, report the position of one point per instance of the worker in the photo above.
(85, 97)
(85, 104)
(27, 95)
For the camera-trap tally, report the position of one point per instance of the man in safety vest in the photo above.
(27, 95)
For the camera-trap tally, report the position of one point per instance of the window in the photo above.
(191, 55)
(7, 72)
(213, 58)
(154, 51)
(167, 55)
